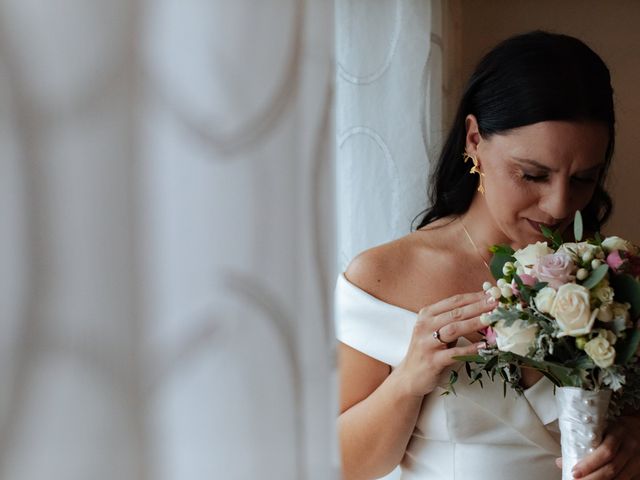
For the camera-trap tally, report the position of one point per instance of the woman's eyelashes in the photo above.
(543, 178)
(534, 178)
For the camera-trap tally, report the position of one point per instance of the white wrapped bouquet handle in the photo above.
(582, 416)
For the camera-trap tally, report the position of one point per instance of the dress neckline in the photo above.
(372, 298)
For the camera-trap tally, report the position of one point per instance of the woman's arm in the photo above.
(377, 415)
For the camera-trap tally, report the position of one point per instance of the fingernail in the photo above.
(491, 300)
(481, 345)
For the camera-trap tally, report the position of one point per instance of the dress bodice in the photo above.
(478, 433)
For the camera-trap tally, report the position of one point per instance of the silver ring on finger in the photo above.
(436, 335)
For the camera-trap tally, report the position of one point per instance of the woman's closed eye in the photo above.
(534, 178)
(544, 178)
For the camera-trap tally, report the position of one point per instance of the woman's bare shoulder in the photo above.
(402, 272)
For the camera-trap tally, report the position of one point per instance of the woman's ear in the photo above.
(472, 138)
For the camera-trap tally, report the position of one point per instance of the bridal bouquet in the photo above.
(570, 311)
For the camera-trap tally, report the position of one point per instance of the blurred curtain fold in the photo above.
(167, 247)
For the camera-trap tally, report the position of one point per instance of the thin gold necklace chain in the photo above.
(474, 246)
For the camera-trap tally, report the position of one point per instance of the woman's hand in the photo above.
(427, 356)
(617, 456)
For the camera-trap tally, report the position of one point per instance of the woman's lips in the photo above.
(536, 225)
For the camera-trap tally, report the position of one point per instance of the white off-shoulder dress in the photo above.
(477, 434)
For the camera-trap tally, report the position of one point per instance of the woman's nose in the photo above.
(557, 201)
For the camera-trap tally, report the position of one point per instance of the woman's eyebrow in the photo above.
(534, 163)
(541, 166)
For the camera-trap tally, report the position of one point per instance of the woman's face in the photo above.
(540, 174)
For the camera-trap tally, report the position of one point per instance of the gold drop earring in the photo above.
(475, 169)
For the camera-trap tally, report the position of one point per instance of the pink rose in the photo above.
(527, 279)
(489, 335)
(555, 269)
(616, 261)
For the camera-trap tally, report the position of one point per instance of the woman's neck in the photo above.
(480, 226)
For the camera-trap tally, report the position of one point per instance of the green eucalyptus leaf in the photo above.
(501, 249)
(628, 348)
(627, 289)
(539, 286)
(498, 261)
(491, 363)
(595, 277)
(546, 231)
(598, 239)
(470, 358)
(554, 236)
(577, 226)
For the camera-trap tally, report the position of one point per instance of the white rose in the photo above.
(605, 314)
(608, 335)
(544, 299)
(518, 338)
(528, 256)
(577, 250)
(617, 243)
(600, 351)
(603, 292)
(572, 311)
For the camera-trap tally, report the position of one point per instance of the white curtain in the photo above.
(388, 119)
(166, 202)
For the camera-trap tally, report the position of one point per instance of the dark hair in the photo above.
(529, 78)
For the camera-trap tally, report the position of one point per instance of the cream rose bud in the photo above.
(608, 335)
(501, 282)
(603, 292)
(528, 256)
(617, 243)
(605, 314)
(600, 351)
(486, 286)
(508, 268)
(572, 311)
(544, 299)
(517, 338)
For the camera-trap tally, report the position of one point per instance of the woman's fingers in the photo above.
(609, 471)
(450, 304)
(452, 331)
(600, 463)
(469, 311)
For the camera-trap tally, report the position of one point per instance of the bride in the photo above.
(531, 143)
